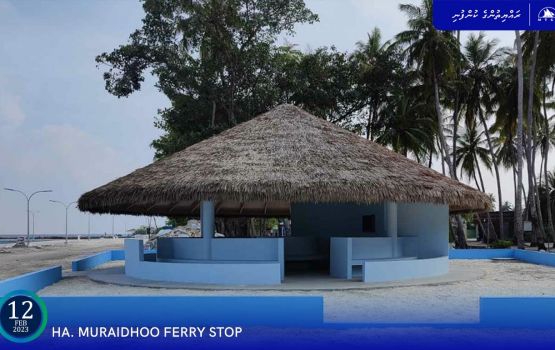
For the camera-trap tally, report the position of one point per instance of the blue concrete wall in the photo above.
(541, 258)
(347, 252)
(242, 249)
(248, 249)
(395, 270)
(181, 248)
(428, 222)
(408, 246)
(334, 220)
(380, 247)
(480, 253)
(372, 248)
(423, 233)
(33, 281)
(92, 261)
(118, 254)
(204, 272)
(533, 257)
(341, 254)
(531, 312)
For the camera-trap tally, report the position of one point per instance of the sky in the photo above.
(60, 130)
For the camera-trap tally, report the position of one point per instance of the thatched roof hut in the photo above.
(286, 155)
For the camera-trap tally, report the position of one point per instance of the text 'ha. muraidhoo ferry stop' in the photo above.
(357, 209)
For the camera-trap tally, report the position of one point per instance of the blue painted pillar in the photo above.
(391, 226)
(207, 225)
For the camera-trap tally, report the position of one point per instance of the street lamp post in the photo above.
(28, 198)
(33, 212)
(66, 206)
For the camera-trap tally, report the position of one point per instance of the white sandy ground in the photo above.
(40, 255)
(453, 302)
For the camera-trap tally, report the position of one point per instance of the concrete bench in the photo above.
(351, 253)
(223, 268)
(360, 262)
(199, 261)
(399, 269)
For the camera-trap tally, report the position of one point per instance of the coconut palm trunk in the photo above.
(456, 110)
(550, 229)
(446, 157)
(445, 152)
(530, 137)
(541, 236)
(514, 181)
(491, 235)
(496, 169)
(519, 230)
(481, 227)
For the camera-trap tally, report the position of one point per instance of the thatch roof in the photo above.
(286, 155)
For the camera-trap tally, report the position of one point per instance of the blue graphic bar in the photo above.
(277, 322)
(175, 310)
(494, 14)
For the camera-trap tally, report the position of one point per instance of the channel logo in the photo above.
(546, 14)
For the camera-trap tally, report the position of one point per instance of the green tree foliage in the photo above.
(380, 72)
(326, 85)
(434, 53)
(472, 152)
(212, 58)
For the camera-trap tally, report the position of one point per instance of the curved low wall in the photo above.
(394, 270)
(202, 272)
(33, 281)
(207, 273)
(92, 261)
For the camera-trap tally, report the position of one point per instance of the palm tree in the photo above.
(506, 117)
(545, 51)
(481, 58)
(530, 144)
(539, 48)
(505, 152)
(434, 53)
(406, 124)
(545, 140)
(458, 84)
(519, 230)
(380, 71)
(471, 151)
(548, 140)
